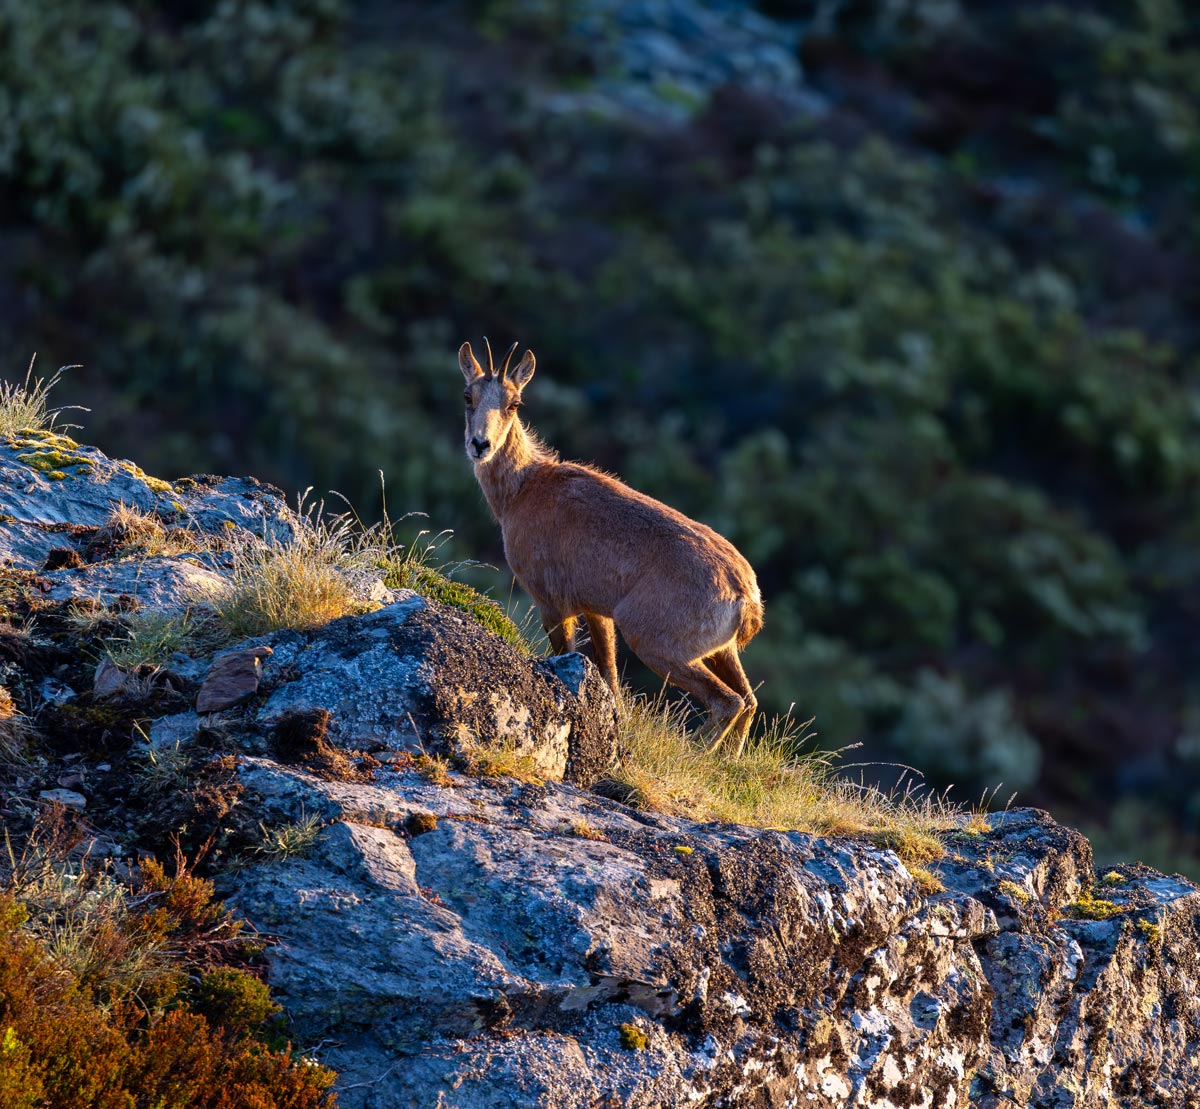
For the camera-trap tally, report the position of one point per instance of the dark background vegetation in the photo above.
(926, 349)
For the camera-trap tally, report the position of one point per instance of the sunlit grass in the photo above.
(143, 533)
(154, 635)
(780, 782)
(322, 570)
(26, 407)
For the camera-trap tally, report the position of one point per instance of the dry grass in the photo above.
(16, 735)
(324, 570)
(780, 782)
(502, 760)
(143, 534)
(26, 407)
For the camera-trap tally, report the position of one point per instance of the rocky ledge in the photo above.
(446, 934)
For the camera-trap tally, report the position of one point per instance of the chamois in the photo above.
(580, 542)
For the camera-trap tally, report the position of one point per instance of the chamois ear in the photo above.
(471, 369)
(523, 371)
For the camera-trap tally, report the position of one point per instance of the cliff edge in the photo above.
(411, 809)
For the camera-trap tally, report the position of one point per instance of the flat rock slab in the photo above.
(423, 677)
(166, 583)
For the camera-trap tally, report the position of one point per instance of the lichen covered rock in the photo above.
(495, 959)
(422, 677)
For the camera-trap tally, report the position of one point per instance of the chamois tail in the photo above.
(750, 619)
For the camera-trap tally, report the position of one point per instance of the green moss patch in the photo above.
(156, 484)
(633, 1038)
(437, 587)
(53, 462)
(1089, 907)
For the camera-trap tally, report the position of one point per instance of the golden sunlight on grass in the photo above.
(780, 782)
(323, 570)
(26, 407)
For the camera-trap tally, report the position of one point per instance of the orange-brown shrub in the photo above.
(189, 1033)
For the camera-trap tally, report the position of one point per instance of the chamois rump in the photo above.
(580, 542)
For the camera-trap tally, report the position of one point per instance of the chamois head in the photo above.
(492, 399)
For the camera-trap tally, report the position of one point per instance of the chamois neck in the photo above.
(502, 475)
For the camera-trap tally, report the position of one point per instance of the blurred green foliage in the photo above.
(929, 359)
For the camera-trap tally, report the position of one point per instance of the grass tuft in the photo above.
(292, 840)
(502, 760)
(25, 408)
(16, 735)
(780, 782)
(152, 636)
(324, 570)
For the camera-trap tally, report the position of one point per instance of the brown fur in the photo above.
(581, 542)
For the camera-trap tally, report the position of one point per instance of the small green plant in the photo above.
(1089, 907)
(164, 769)
(1018, 893)
(292, 840)
(1152, 931)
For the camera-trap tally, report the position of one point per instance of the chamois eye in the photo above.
(514, 406)
(467, 397)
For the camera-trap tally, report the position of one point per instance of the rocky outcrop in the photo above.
(473, 944)
(458, 921)
(54, 492)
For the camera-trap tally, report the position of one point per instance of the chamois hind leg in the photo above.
(728, 667)
(604, 648)
(561, 631)
(723, 704)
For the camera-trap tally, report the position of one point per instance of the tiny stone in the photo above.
(109, 678)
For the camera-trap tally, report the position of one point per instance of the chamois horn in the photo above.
(507, 359)
(491, 368)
